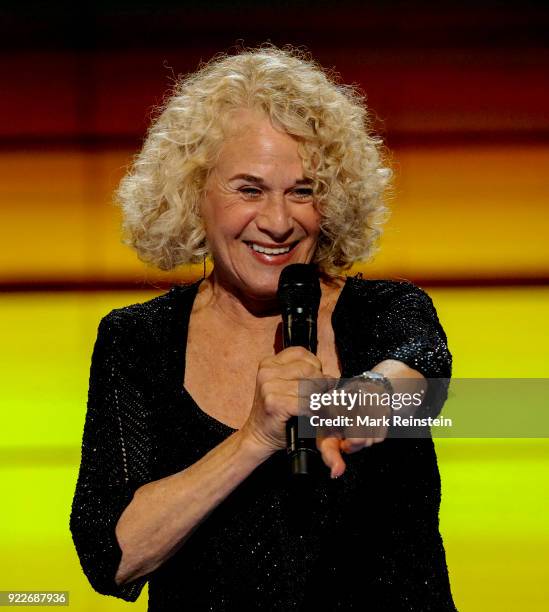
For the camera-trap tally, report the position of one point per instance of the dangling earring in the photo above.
(204, 272)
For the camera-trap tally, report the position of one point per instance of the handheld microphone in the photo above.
(299, 298)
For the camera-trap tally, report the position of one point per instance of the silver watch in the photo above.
(376, 377)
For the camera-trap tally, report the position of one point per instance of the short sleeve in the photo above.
(409, 331)
(114, 462)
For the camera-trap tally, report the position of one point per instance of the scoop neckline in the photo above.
(184, 318)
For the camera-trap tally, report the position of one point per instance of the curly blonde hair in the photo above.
(161, 193)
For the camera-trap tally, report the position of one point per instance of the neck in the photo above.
(241, 311)
(238, 309)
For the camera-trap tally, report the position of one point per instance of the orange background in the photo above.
(460, 93)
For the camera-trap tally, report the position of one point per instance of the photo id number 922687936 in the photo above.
(34, 598)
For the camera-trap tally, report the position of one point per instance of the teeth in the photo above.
(267, 251)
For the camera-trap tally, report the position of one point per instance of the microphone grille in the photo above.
(299, 286)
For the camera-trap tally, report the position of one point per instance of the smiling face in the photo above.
(258, 208)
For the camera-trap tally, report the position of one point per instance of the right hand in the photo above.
(276, 395)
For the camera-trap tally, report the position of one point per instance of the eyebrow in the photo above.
(259, 181)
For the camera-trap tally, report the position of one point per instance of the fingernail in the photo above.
(335, 473)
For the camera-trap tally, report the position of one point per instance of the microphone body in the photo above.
(299, 297)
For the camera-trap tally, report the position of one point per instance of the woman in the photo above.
(258, 160)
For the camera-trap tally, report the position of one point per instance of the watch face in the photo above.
(376, 377)
(372, 375)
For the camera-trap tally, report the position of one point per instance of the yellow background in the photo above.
(474, 212)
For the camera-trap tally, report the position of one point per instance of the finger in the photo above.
(352, 445)
(297, 370)
(329, 450)
(290, 399)
(289, 389)
(296, 353)
(311, 378)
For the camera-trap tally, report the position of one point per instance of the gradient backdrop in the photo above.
(461, 95)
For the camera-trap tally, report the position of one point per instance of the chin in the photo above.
(262, 283)
(263, 290)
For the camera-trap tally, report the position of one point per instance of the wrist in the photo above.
(380, 383)
(251, 445)
(377, 378)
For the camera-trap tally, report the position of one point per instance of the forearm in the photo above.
(403, 380)
(164, 513)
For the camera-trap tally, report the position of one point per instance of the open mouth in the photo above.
(272, 251)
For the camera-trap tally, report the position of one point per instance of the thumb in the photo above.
(331, 455)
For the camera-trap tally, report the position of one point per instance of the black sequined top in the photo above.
(366, 541)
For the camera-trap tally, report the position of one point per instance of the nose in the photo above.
(274, 217)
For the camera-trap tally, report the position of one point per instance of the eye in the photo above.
(250, 192)
(303, 193)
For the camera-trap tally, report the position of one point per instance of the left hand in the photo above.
(404, 379)
(331, 447)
